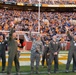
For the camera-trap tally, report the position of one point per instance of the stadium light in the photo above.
(38, 5)
(20, 4)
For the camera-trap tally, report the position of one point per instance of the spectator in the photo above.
(50, 23)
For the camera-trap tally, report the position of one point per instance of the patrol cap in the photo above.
(38, 36)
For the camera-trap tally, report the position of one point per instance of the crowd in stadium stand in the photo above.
(46, 1)
(51, 23)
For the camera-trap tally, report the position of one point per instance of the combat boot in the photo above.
(49, 73)
(18, 73)
(32, 71)
(37, 72)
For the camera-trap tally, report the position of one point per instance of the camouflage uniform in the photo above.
(35, 54)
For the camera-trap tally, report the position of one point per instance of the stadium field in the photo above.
(25, 70)
(24, 58)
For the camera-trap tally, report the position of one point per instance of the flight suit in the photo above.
(53, 47)
(71, 53)
(12, 53)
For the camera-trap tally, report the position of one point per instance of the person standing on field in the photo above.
(12, 52)
(72, 51)
(36, 51)
(3, 43)
(54, 48)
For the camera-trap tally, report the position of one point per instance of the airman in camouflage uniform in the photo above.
(35, 53)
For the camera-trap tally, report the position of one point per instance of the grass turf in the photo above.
(25, 70)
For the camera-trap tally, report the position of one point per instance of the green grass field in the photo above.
(25, 70)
